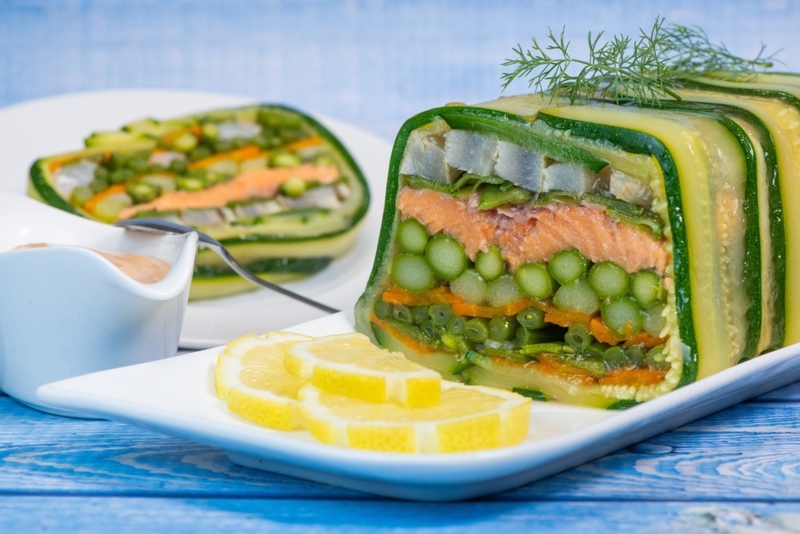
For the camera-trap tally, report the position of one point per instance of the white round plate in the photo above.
(39, 128)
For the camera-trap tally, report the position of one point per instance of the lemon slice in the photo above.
(351, 365)
(251, 377)
(469, 418)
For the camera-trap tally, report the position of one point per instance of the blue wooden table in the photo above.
(735, 471)
(372, 64)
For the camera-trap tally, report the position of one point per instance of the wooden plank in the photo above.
(745, 452)
(68, 514)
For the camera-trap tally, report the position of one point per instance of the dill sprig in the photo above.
(644, 69)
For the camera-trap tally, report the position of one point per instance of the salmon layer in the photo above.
(261, 183)
(527, 233)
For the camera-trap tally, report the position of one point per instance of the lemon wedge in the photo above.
(251, 377)
(469, 418)
(351, 365)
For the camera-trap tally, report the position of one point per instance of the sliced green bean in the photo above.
(120, 176)
(446, 256)
(411, 272)
(470, 286)
(80, 195)
(440, 313)
(503, 291)
(189, 183)
(531, 318)
(138, 164)
(525, 336)
(647, 288)
(614, 358)
(428, 328)
(534, 280)
(578, 337)
(657, 358)
(198, 153)
(567, 266)
(490, 264)
(623, 316)
(542, 348)
(493, 196)
(502, 328)
(477, 329)
(282, 158)
(419, 314)
(178, 166)
(654, 320)
(412, 236)
(293, 187)
(382, 309)
(608, 280)
(635, 355)
(577, 297)
(456, 325)
(402, 314)
(101, 173)
(141, 192)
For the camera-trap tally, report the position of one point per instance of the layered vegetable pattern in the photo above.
(597, 254)
(269, 182)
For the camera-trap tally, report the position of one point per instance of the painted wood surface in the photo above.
(735, 471)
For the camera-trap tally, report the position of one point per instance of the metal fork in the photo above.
(209, 242)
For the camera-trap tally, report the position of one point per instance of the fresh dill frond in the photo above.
(644, 69)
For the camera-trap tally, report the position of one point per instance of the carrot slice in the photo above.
(92, 203)
(240, 154)
(306, 142)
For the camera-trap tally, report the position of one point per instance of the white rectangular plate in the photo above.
(176, 397)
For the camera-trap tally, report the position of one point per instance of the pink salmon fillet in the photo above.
(527, 233)
(259, 183)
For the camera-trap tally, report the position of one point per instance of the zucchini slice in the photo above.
(701, 176)
(272, 184)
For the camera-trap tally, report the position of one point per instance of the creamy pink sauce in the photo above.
(141, 268)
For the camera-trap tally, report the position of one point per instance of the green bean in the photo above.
(456, 325)
(614, 358)
(222, 145)
(428, 328)
(567, 266)
(577, 297)
(477, 329)
(578, 337)
(402, 314)
(470, 287)
(420, 314)
(531, 318)
(99, 184)
(623, 316)
(657, 358)
(524, 336)
(449, 342)
(446, 256)
(188, 183)
(596, 366)
(185, 142)
(608, 280)
(382, 309)
(502, 328)
(490, 264)
(654, 320)
(325, 160)
(534, 280)
(101, 173)
(534, 394)
(199, 153)
(542, 348)
(117, 161)
(596, 349)
(138, 164)
(120, 176)
(178, 166)
(412, 236)
(411, 272)
(80, 195)
(293, 187)
(635, 355)
(647, 288)
(440, 313)
(210, 131)
(503, 291)
(142, 192)
(282, 158)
